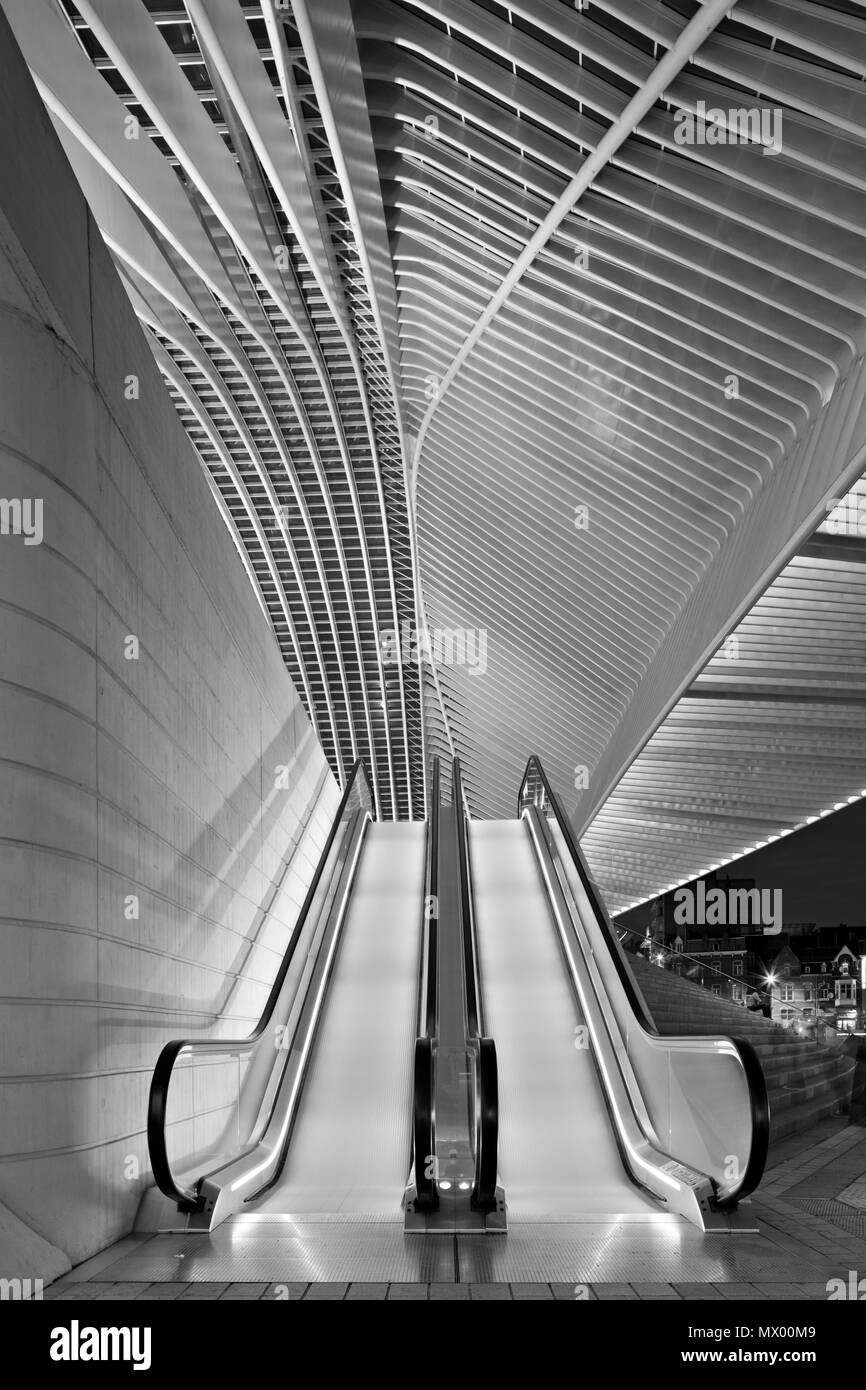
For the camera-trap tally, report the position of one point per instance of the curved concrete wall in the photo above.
(144, 839)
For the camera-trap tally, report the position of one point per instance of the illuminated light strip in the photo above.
(741, 854)
(323, 986)
(653, 1169)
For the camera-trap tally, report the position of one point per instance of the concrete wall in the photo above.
(149, 779)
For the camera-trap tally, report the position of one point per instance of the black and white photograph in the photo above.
(432, 677)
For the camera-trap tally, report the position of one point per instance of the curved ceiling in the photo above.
(195, 132)
(478, 326)
(771, 735)
(644, 356)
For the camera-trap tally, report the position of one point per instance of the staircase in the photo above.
(806, 1081)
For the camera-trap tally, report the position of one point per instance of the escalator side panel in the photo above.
(696, 1089)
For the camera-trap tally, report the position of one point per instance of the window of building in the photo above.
(786, 992)
(785, 1014)
(738, 967)
(845, 992)
(717, 989)
(807, 992)
(738, 994)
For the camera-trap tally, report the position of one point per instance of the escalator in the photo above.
(453, 1023)
(312, 1112)
(456, 1108)
(598, 1114)
(351, 1140)
(557, 1152)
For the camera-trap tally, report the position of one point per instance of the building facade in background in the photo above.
(814, 975)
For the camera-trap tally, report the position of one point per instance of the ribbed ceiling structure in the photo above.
(196, 133)
(477, 319)
(771, 734)
(645, 357)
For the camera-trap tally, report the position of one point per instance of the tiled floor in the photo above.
(809, 1209)
(483, 1293)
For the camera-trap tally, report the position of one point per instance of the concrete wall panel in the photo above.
(152, 777)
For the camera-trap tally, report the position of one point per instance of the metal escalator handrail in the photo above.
(752, 1069)
(486, 1073)
(424, 1108)
(430, 937)
(474, 1010)
(188, 1198)
(486, 1125)
(634, 998)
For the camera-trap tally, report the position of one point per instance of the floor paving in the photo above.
(810, 1211)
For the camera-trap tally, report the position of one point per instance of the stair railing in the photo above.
(816, 1027)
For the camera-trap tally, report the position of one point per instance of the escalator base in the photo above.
(455, 1215)
(614, 1249)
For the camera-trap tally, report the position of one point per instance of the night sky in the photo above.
(820, 869)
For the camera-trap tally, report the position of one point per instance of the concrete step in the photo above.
(799, 1080)
(796, 1118)
(806, 1081)
(838, 1084)
(780, 1071)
